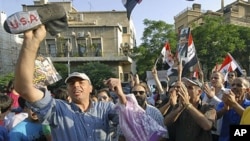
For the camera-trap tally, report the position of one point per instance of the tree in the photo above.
(4, 80)
(242, 55)
(154, 37)
(214, 39)
(97, 72)
(62, 69)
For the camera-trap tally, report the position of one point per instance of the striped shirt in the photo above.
(69, 123)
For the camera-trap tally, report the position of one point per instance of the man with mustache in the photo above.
(232, 107)
(80, 120)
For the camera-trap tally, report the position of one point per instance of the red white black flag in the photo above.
(229, 64)
(186, 50)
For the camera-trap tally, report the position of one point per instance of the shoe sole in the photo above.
(22, 21)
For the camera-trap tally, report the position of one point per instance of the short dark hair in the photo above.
(61, 93)
(5, 102)
(234, 72)
(10, 86)
(106, 91)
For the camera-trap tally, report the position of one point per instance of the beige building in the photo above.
(10, 46)
(104, 36)
(237, 13)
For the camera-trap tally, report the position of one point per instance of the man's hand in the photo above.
(210, 91)
(183, 95)
(114, 84)
(35, 36)
(173, 97)
(154, 71)
(229, 98)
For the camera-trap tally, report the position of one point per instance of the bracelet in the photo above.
(188, 106)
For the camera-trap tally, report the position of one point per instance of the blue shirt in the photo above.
(27, 130)
(155, 113)
(229, 118)
(69, 123)
(4, 135)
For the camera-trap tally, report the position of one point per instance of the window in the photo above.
(126, 77)
(52, 50)
(97, 43)
(124, 30)
(82, 47)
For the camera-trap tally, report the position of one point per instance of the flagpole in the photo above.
(180, 69)
(200, 71)
(156, 61)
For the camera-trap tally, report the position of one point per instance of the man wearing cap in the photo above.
(192, 119)
(82, 119)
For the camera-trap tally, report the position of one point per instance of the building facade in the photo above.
(103, 36)
(237, 13)
(10, 46)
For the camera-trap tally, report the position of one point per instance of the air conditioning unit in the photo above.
(80, 34)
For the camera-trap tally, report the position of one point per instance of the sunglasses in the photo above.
(231, 75)
(136, 92)
(238, 85)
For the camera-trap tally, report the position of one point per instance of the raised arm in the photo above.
(114, 84)
(24, 72)
(157, 81)
(132, 81)
(136, 79)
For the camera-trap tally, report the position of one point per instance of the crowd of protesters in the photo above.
(185, 109)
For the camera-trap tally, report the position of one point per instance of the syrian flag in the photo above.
(130, 5)
(167, 55)
(229, 64)
(190, 59)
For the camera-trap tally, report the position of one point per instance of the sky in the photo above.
(164, 10)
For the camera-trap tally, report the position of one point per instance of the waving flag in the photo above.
(167, 55)
(130, 5)
(229, 64)
(186, 50)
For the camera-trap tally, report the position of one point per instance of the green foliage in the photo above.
(154, 38)
(242, 55)
(97, 72)
(214, 39)
(4, 80)
(62, 69)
